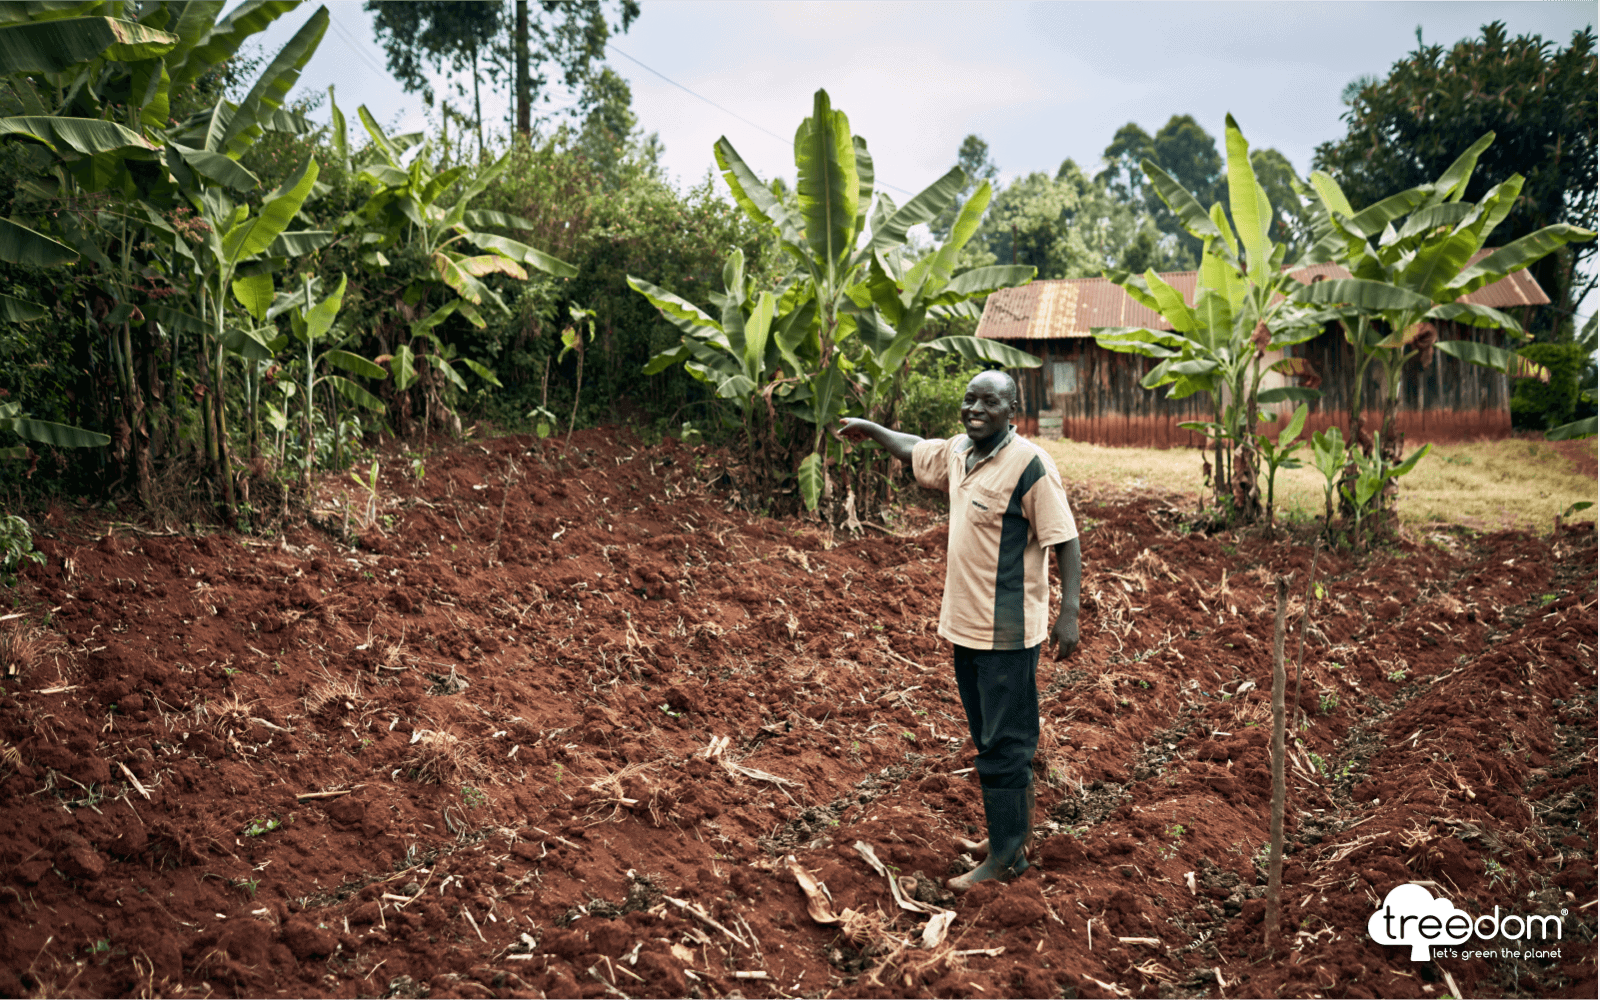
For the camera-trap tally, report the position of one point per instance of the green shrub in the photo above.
(934, 389)
(16, 547)
(1537, 406)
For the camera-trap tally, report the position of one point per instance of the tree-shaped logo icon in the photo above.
(1411, 916)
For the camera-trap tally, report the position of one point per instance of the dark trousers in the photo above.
(1002, 703)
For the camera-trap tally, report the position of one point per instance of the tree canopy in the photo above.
(1538, 99)
(1183, 149)
(505, 42)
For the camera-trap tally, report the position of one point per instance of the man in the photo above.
(1007, 507)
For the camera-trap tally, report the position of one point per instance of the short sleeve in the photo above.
(930, 463)
(1045, 506)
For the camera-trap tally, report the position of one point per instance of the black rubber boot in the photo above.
(1008, 812)
(980, 848)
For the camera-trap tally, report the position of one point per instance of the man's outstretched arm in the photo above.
(894, 442)
(1069, 565)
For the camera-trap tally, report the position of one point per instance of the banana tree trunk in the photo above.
(252, 383)
(134, 413)
(224, 450)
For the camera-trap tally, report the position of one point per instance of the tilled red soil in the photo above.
(585, 711)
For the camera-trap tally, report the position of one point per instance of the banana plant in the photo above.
(413, 205)
(1278, 451)
(572, 341)
(1328, 454)
(240, 253)
(311, 326)
(1410, 257)
(1363, 491)
(895, 299)
(1241, 312)
(797, 344)
(13, 421)
(94, 87)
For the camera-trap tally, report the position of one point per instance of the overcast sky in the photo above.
(1039, 81)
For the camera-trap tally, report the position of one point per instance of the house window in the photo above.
(1064, 377)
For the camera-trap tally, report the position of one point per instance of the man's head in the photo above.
(989, 405)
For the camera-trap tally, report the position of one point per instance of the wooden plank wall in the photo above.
(1449, 401)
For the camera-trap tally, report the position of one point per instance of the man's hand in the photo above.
(1065, 635)
(895, 443)
(854, 428)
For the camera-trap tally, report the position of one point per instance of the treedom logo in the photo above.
(1410, 915)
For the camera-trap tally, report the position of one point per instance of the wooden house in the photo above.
(1086, 393)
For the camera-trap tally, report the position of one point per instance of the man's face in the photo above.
(987, 409)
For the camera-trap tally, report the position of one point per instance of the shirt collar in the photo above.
(973, 460)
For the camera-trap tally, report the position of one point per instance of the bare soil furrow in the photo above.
(554, 724)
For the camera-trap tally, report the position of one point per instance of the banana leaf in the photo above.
(1295, 393)
(923, 208)
(1372, 296)
(354, 393)
(1251, 214)
(811, 473)
(977, 349)
(216, 167)
(757, 200)
(355, 364)
(1496, 358)
(255, 292)
(828, 187)
(299, 242)
(984, 280)
(84, 136)
(1184, 205)
(1473, 314)
(1515, 256)
(53, 434)
(21, 245)
(252, 236)
(673, 306)
(1569, 432)
(1452, 184)
(14, 310)
(58, 45)
(481, 217)
(222, 39)
(482, 371)
(319, 318)
(444, 367)
(1139, 340)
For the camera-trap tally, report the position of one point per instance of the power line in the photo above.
(702, 97)
(724, 110)
(356, 48)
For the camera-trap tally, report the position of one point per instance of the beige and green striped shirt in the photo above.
(1006, 512)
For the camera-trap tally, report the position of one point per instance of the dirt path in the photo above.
(525, 672)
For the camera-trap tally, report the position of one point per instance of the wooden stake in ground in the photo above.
(1305, 623)
(1279, 682)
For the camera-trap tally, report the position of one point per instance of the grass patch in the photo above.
(1508, 483)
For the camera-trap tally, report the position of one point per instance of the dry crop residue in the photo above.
(583, 711)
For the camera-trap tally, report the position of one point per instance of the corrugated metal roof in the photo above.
(1071, 307)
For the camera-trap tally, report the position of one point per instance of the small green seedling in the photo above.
(474, 798)
(261, 826)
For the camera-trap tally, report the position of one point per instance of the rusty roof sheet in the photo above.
(1072, 307)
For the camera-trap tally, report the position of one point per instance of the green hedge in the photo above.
(1537, 406)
